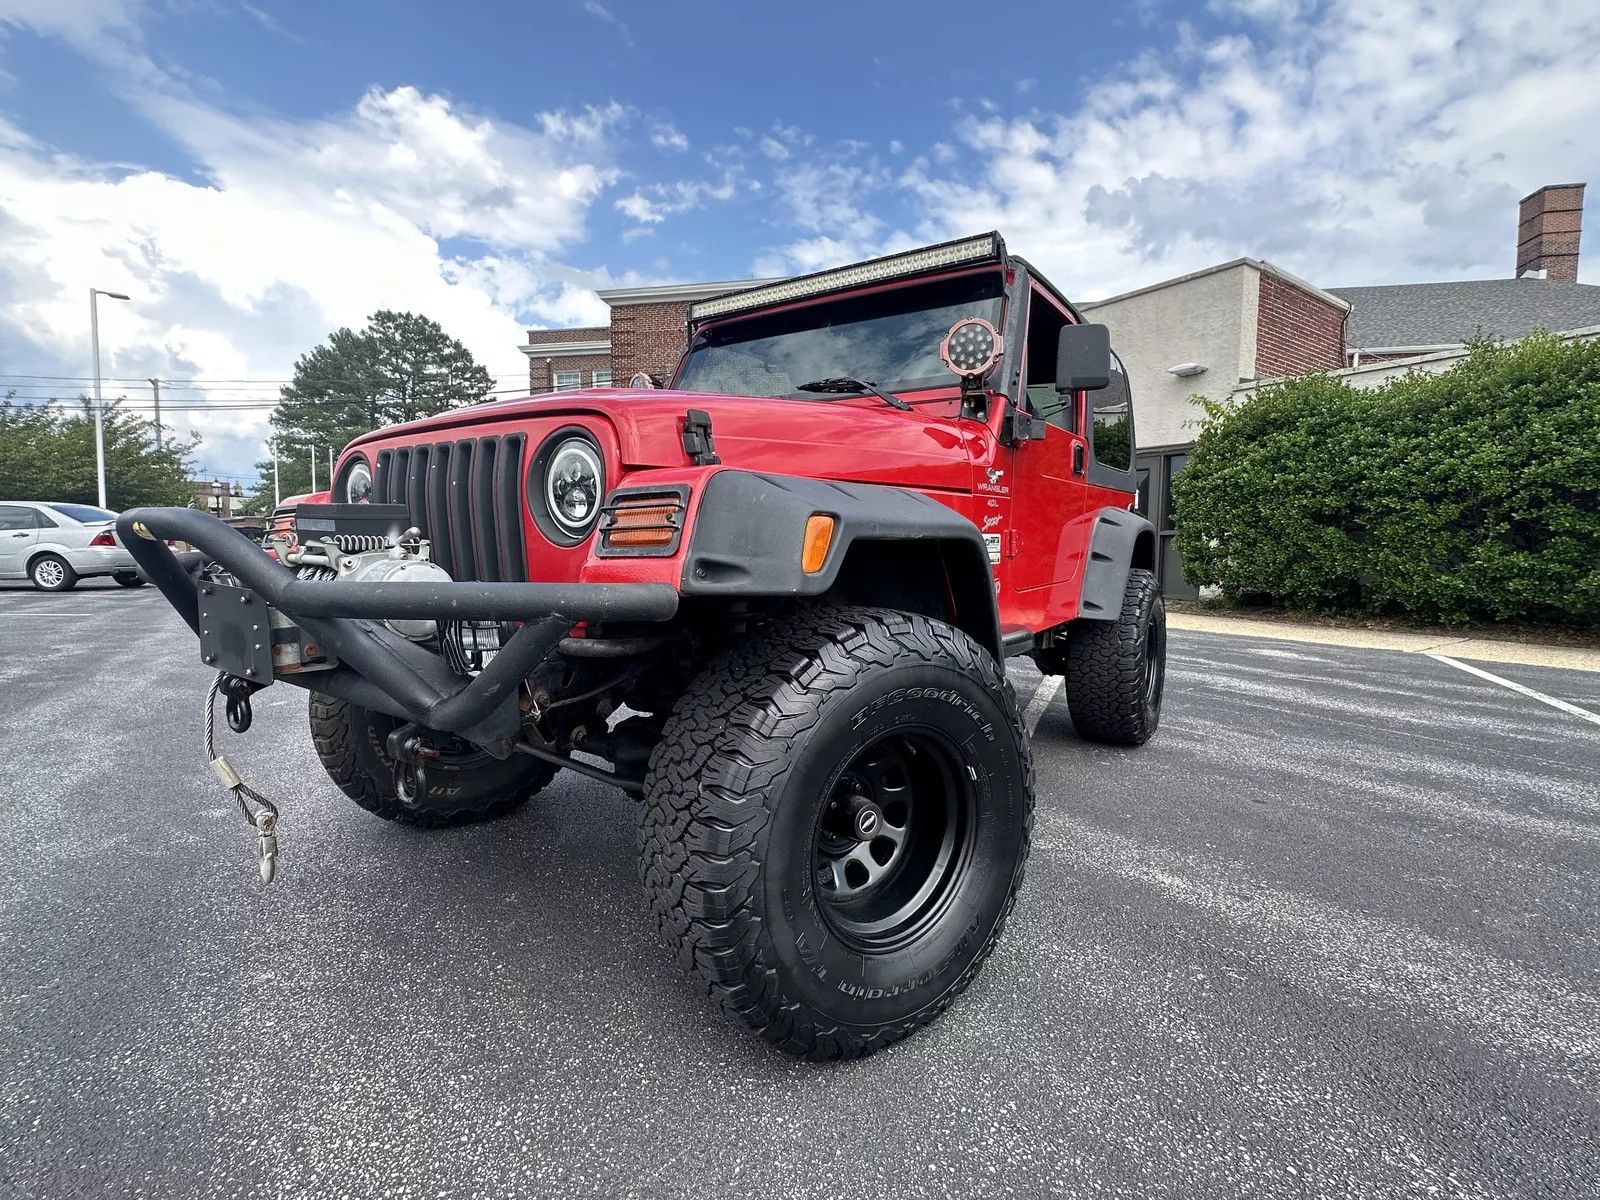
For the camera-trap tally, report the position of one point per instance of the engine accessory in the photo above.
(402, 557)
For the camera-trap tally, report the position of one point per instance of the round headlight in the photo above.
(358, 483)
(574, 481)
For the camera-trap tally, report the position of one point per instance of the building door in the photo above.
(1156, 471)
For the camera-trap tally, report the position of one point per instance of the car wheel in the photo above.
(52, 573)
(128, 578)
(1116, 669)
(835, 825)
(465, 784)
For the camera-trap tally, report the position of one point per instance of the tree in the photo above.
(400, 367)
(47, 453)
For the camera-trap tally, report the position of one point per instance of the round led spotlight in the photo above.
(641, 380)
(971, 348)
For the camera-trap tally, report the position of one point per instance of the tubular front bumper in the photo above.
(378, 668)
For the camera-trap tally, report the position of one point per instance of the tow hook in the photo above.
(410, 751)
(260, 813)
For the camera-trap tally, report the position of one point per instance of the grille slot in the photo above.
(466, 499)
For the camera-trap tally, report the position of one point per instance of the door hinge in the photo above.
(1013, 541)
(697, 442)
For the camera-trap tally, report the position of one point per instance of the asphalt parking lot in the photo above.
(1332, 933)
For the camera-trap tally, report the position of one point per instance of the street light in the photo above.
(99, 405)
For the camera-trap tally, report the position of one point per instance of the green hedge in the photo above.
(1470, 495)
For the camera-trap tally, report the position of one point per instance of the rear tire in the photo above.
(128, 579)
(1116, 670)
(761, 870)
(52, 573)
(463, 787)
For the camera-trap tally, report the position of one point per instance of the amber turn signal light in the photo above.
(819, 536)
(642, 525)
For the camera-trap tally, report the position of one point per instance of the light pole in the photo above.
(277, 491)
(99, 405)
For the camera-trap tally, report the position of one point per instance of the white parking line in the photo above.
(1048, 687)
(1581, 713)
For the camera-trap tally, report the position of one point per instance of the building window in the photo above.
(565, 381)
(601, 378)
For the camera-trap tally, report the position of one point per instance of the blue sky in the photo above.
(256, 174)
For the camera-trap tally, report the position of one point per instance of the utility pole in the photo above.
(277, 490)
(99, 402)
(155, 386)
(330, 466)
(313, 466)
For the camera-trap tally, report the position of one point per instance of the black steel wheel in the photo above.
(895, 834)
(835, 825)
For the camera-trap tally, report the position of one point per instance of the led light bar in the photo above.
(988, 248)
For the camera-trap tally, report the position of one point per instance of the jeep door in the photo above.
(1047, 475)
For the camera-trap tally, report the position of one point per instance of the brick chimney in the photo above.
(1548, 225)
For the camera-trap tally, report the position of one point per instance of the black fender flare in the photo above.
(1120, 541)
(749, 528)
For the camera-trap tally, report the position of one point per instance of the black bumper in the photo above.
(379, 669)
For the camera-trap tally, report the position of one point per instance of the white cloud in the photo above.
(601, 13)
(1378, 142)
(270, 23)
(289, 230)
(652, 204)
(1359, 141)
(664, 136)
(773, 148)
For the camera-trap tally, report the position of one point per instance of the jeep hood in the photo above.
(854, 440)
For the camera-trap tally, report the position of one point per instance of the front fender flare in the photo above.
(749, 528)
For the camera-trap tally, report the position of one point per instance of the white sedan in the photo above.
(55, 545)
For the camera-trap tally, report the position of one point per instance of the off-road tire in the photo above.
(65, 581)
(350, 742)
(1109, 686)
(733, 799)
(128, 579)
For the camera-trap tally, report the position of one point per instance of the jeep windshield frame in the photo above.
(889, 335)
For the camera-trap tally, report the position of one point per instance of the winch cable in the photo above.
(264, 820)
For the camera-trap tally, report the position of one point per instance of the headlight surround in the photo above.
(566, 485)
(355, 485)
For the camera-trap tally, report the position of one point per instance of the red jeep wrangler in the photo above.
(773, 600)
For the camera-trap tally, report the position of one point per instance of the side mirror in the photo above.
(1083, 358)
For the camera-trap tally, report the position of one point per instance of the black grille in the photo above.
(466, 498)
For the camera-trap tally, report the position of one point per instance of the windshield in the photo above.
(889, 338)
(84, 514)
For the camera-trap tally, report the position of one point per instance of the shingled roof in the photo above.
(1445, 314)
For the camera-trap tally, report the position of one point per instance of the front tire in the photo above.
(52, 573)
(1116, 670)
(465, 784)
(835, 825)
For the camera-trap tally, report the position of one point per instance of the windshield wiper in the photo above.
(846, 386)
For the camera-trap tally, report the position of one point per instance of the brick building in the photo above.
(560, 360)
(646, 334)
